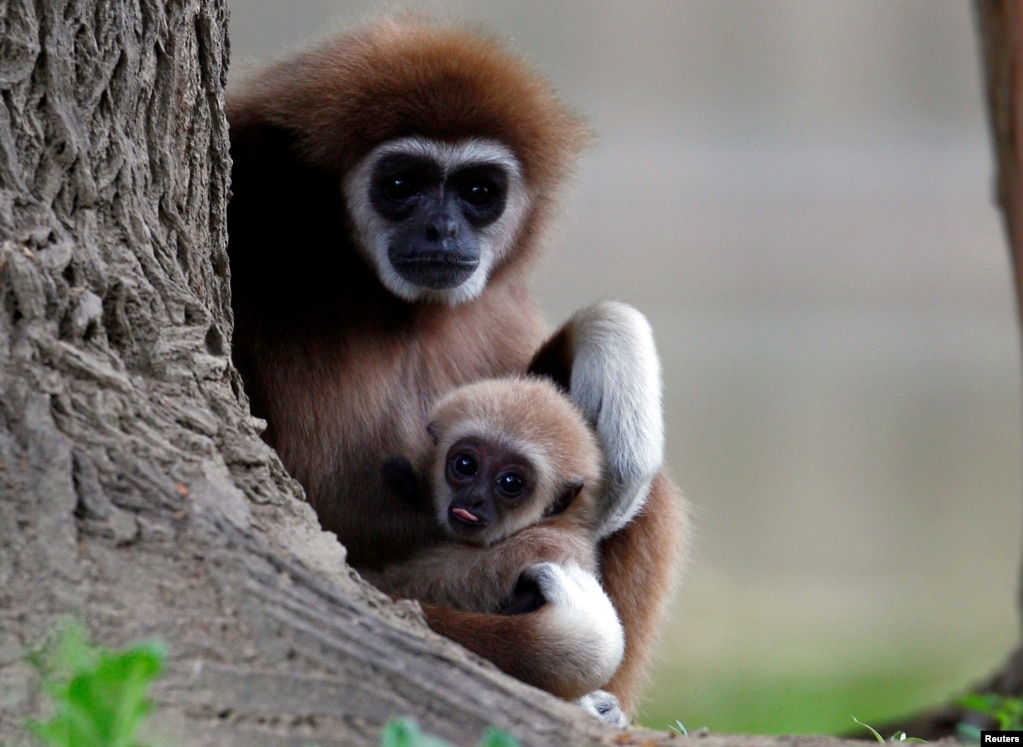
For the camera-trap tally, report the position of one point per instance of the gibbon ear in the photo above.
(432, 429)
(568, 495)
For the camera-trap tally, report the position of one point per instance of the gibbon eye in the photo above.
(399, 188)
(480, 194)
(465, 465)
(511, 484)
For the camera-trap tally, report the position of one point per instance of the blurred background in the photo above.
(799, 196)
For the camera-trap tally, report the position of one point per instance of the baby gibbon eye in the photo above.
(464, 465)
(511, 484)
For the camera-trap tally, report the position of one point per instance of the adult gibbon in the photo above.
(391, 188)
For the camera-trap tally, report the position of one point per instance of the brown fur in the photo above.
(640, 564)
(343, 371)
(405, 76)
(490, 635)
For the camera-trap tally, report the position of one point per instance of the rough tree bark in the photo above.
(135, 493)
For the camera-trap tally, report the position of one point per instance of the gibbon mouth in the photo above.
(465, 518)
(436, 270)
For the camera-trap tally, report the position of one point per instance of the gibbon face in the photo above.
(509, 454)
(490, 491)
(493, 492)
(449, 149)
(435, 218)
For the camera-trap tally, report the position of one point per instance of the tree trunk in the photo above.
(1000, 32)
(135, 493)
(1001, 36)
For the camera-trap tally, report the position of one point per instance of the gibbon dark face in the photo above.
(510, 453)
(488, 483)
(435, 218)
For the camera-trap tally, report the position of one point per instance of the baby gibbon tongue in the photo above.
(464, 515)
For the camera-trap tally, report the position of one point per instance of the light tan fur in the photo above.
(534, 419)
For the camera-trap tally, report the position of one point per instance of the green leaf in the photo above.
(981, 703)
(869, 728)
(405, 732)
(968, 732)
(101, 697)
(1008, 712)
(497, 738)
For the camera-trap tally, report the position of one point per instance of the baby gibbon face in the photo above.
(492, 492)
(509, 454)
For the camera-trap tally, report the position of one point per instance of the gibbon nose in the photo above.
(475, 498)
(441, 228)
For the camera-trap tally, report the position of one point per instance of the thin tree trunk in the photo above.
(1000, 25)
(1000, 32)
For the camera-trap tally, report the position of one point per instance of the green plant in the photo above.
(1007, 711)
(405, 732)
(679, 728)
(899, 736)
(100, 697)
